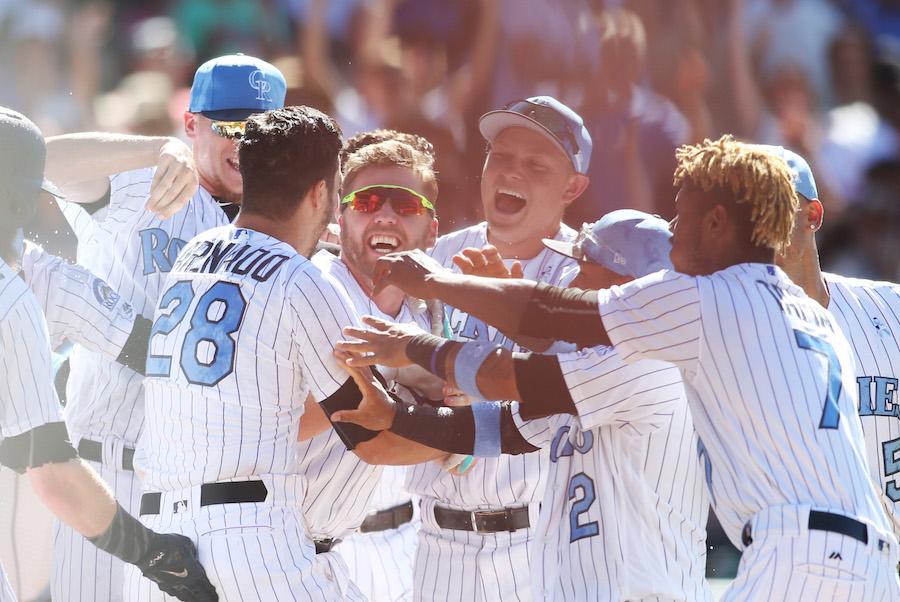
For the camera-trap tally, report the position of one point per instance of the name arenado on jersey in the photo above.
(224, 257)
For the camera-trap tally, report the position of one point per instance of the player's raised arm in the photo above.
(81, 164)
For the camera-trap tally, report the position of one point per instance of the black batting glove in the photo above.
(172, 563)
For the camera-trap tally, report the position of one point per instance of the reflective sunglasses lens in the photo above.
(408, 206)
(366, 201)
(229, 129)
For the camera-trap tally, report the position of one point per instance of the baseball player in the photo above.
(242, 335)
(389, 206)
(132, 250)
(538, 153)
(625, 512)
(33, 437)
(869, 315)
(769, 376)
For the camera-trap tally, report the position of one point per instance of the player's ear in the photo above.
(716, 220)
(190, 124)
(577, 184)
(815, 214)
(433, 232)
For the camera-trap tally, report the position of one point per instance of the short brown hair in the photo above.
(390, 148)
(746, 175)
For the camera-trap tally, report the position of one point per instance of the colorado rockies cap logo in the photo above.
(258, 82)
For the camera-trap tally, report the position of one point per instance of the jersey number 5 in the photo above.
(216, 317)
(831, 414)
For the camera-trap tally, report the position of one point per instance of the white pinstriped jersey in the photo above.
(342, 488)
(132, 250)
(245, 329)
(869, 314)
(771, 384)
(79, 307)
(27, 397)
(624, 515)
(507, 481)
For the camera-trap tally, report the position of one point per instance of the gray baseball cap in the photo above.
(628, 242)
(23, 155)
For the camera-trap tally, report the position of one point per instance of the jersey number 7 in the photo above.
(831, 415)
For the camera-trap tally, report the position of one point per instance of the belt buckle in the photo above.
(476, 514)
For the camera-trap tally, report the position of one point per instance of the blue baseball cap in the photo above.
(628, 242)
(235, 86)
(803, 179)
(547, 116)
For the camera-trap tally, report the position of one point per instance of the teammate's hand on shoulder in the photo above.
(175, 180)
(173, 565)
(376, 409)
(385, 345)
(408, 271)
(486, 262)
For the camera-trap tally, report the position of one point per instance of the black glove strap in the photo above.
(126, 538)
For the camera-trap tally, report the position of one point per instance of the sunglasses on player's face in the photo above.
(403, 200)
(233, 130)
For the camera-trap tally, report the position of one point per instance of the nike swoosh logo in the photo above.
(180, 575)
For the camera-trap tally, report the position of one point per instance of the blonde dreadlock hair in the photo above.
(753, 176)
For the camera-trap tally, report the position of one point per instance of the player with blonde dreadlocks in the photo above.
(769, 377)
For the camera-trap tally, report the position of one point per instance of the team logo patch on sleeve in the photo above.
(105, 295)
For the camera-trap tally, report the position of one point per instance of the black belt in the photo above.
(325, 544)
(482, 521)
(387, 519)
(824, 521)
(232, 492)
(93, 451)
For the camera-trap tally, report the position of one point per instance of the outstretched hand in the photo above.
(486, 262)
(376, 409)
(385, 346)
(408, 271)
(173, 565)
(175, 180)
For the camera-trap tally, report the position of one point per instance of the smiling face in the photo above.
(366, 236)
(526, 185)
(216, 158)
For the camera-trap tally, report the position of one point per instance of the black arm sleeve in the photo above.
(453, 429)
(568, 314)
(134, 353)
(541, 385)
(348, 398)
(45, 444)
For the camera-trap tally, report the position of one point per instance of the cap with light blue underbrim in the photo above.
(803, 179)
(548, 117)
(628, 242)
(235, 86)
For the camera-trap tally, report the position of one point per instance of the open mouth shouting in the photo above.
(509, 201)
(383, 243)
(233, 164)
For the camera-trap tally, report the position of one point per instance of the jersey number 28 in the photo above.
(216, 317)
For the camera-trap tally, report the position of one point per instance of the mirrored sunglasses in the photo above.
(403, 200)
(548, 118)
(229, 129)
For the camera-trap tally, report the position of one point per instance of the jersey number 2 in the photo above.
(229, 305)
(831, 415)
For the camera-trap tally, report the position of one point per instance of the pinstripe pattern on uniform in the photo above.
(79, 307)
(756, 396)
(27, 396)
(274, 318)
(343, 488)
(6, 590)
(868, 313)
(625, 510)
(488, 567)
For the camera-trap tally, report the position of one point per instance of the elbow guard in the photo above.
(568, 314)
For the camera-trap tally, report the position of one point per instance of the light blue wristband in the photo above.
(465, 367)
(487, 429)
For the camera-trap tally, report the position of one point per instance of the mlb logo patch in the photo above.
(179, 507)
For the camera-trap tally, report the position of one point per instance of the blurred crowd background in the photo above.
(821, 77)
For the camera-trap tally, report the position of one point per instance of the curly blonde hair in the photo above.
(389, 148)
(753, 176)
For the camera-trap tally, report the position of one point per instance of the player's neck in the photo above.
(522, 250)
(294, 231)
(812, 282)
